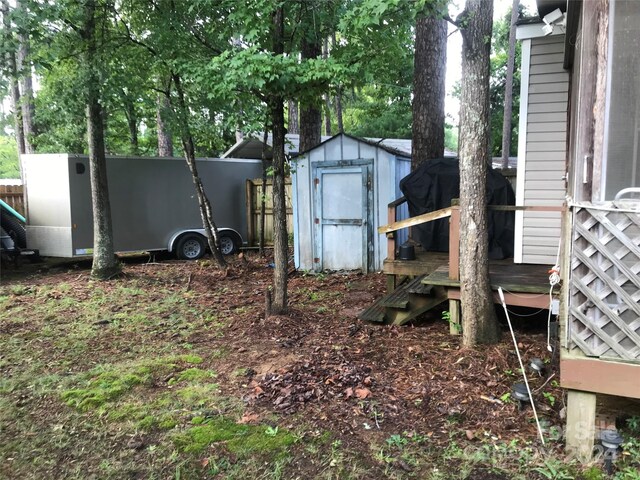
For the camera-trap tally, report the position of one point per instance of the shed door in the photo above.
(343, 225)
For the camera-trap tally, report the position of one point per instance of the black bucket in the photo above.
(407, 252)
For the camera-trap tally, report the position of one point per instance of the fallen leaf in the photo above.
(204, 462)
(348, 393)
(470, 435)
(362, 393)
(249, 418)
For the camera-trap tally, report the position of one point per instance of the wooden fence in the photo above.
(604, 310)
(254, 197)
(13, 195)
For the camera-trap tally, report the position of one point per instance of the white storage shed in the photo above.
(341, 190)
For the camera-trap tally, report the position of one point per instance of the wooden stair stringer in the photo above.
(418, 304)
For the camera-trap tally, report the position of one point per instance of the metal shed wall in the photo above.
(542, 148)
(384, 183)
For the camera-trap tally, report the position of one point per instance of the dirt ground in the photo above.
(363, 400)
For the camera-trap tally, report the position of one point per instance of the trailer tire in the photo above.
(229, 243)
(190, 246)
(14, 229)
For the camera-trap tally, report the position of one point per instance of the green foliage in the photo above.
(9, 167)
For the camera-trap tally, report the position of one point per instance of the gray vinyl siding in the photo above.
(546, 149)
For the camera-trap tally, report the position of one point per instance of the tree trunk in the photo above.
(338, 103)
(310, 113)
(263, 197)
(12, 73)
(132, 123)
(165, 142)
(508, 88)
(338, 98)
(429, 90)
(26, 87)
(479, 323)
(275, 104)
(105, 264)
(327, 115)
(206, 212)
(292, 121)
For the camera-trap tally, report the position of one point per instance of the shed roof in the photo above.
(251, 147)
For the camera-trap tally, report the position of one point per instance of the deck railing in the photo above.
(454, 226)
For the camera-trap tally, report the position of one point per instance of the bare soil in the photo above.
(317, 369)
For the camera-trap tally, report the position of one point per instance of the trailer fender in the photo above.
(226, 232)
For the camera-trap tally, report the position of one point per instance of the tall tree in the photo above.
(105, 265)
(293, 125)
(163, 130)
(188, 146)
(275, 103)
(429, 88)
(478, 312)
(310, 49)
(26, 87)
(508, 88)
(11, 71)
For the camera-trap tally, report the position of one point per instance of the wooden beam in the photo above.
(600, 376)
(454, 317)
(527, 208)
(581, 424)
(514, 299)
(454, 244)
(410, 222)
(391, 237)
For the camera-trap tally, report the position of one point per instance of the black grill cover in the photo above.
(432, 187)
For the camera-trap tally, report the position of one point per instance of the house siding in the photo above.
(543, 168)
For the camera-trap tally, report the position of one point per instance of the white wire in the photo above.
(554, 279)
(524, 372)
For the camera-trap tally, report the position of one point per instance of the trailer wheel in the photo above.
(14, 229)
(190, 247)
(229, 243)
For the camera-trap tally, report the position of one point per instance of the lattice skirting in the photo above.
(604, 310)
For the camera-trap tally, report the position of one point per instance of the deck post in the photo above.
(391, 237)
(581, 424)
(454, 317)
(454, 267)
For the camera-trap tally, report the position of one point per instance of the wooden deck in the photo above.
(523, 285)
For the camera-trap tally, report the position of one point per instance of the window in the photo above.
(622, 138)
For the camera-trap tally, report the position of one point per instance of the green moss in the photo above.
(104, 388)
(189, 358)
(107, 384)
(198, 395)
(242, 440)
(193, 375)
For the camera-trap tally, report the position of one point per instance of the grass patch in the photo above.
(238, 439)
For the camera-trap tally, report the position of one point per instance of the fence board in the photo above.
(254, 198)
(13, 196)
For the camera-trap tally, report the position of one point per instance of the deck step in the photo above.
(375, 313)
(416, 286)
(405, 303)
(418, 304)
(399, 298)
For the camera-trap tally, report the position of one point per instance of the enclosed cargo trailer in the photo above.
(153, 203)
